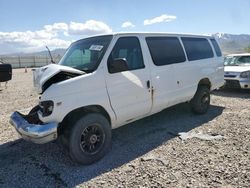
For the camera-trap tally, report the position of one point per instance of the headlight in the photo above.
(46, 107)
(245, 74)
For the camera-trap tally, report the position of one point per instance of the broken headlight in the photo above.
(46, 107)
(245, 74)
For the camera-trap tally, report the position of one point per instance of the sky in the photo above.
(29, 25)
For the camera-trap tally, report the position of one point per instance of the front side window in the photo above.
(86, 54)
(197, 48)
(165, 50)
(128, 48)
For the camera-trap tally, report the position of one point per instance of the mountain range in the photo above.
(56, 52)
(229, 43)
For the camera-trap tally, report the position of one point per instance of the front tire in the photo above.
(89, 139)
(201, 100)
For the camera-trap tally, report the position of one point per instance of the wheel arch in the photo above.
(75, 114)
(205, 82)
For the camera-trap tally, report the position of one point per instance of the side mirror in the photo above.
(5, 72)
(117, 65)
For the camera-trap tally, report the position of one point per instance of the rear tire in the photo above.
(201, 100)
(89, 139)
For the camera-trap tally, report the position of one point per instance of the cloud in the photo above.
(57, 35)
(56, 27)
(159, 19)
(29, 41)
(90, 27)
(127, 24)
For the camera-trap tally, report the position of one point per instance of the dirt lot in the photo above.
(146, 153)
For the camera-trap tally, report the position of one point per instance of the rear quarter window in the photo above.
(216, 47)
(165, 50)
(197, 48)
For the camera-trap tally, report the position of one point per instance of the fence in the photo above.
(28, 61)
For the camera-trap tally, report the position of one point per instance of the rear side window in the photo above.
(216, 47)
(197, 48)
(165, 50)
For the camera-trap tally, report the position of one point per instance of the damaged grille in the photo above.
(58, 78)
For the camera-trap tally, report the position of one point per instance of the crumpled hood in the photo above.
(237, 69)
(44, 74)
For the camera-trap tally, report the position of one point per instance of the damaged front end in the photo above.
(45, 76)
(29, 126)
(32, 129)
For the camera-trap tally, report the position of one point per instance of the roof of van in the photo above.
(241, 54)
(148, 34)
(157, 33)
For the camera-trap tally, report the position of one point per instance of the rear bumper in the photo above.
(37, 133)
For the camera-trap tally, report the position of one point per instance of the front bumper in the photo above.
(245, 84)
(37, 133)
(240, 84)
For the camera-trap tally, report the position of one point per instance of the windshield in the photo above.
(86, 54)
(237, 61)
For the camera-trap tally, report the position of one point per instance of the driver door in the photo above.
(129, 90)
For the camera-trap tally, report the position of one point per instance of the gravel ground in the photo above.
(146, 153)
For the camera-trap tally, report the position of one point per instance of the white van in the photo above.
(107, 81)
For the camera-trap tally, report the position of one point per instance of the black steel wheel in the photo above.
(89, 139)
(92, 139)
(201, 100)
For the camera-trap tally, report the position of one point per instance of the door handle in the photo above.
(148, 84)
